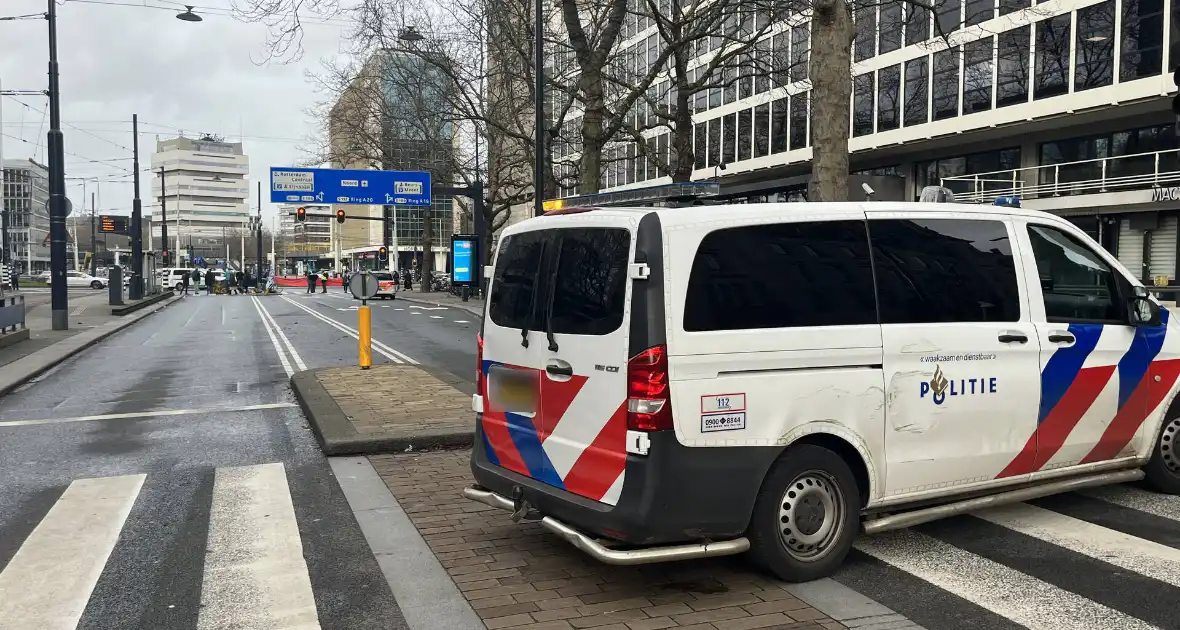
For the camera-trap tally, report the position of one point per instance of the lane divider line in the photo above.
(148, 414)
(282, 336)
(391, 354)
(274, 340)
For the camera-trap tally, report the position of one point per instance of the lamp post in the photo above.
(59, 298)
(164, 219)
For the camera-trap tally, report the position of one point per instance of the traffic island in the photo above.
(134, 305)
(389, 408)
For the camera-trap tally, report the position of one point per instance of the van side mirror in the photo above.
(1143, 312)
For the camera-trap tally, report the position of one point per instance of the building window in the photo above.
(888, 92)
(781, 276)
(1012, 6)
(744, 133)
(949, 16)
(714, 142)
(946, 84)
(944, 270)
(1052, 55)
(799, 135)
(1012, 75)
(862, 104)
(729, 140)
(917, 24)
(977, 75)
(999, 165)
(979, 11)
(700, 144)
(662, 152)
(1142, 39)
(800, 51)
(1094, 48)
(864, 45)
(890, 27)
(1063, 162)
(762, 130)
(916, 79)
(778, 131)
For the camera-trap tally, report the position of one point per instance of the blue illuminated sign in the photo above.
(338, 186)
(462, 267)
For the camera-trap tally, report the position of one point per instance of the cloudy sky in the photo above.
(116, 60)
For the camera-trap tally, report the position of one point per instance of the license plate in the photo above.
(512, 389)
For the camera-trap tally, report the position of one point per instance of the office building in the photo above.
(26, 200)
(206, 195)
(1064, 103)
(309, 238)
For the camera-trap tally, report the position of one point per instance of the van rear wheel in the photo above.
(1163, 471)
(807, 515)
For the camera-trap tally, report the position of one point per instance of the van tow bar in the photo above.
(520, 507)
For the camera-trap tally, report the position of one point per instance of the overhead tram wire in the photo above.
(70, 125)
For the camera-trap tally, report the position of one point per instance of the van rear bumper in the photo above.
(674, 494)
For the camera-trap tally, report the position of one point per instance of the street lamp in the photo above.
(410, 34)
(59, 298)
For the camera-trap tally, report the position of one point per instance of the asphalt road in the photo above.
(189, 507)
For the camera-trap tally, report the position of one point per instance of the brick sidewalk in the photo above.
(518, 576)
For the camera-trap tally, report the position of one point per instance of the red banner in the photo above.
(301, 281)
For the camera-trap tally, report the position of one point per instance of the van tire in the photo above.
(825, 487)
(1163, 470)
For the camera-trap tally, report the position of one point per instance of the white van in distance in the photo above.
(661, 384)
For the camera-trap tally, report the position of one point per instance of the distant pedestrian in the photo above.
(15, 279)
(311, 276)
(231, 281)
(210, 280)
(324, 280)
(344, 281)
(196, 281)
(184, 282)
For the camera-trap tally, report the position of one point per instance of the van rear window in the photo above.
(581, 272)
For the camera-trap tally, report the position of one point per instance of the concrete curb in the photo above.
(25, 369)
(470, 309)
(142, 304)
(335, 432)
(13, 338)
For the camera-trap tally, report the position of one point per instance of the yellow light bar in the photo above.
(553, 204)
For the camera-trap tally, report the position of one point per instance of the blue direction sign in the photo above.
(328, 186)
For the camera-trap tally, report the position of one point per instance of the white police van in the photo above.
(660, 384)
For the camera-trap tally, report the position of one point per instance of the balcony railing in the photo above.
(1084, 177)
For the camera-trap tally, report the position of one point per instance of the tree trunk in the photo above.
(590, 163)
(683, 159)
(830, 70)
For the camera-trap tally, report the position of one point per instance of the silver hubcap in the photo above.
(1169, 441)
(811, 516)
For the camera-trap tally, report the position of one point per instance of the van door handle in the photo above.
(1013, 338)
(1061, 338)
(560, 370)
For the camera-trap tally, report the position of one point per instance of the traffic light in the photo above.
(301, 214)
(382, 254)
(340, 216)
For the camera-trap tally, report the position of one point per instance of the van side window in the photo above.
(517, 280)
(781, 276)
(590, 289)
(1076, 283)
(944, 270)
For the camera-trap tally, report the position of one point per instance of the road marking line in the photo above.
(1040, 605)
(462, 321)
(1122, 495)
(283, 336)
(255, 575)
(399, 309)
(50, 579)
(390, 353)
(1144, 557)
(436, 317)
(415, 312)
(273, 340)
(146, 414)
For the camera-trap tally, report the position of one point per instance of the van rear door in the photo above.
(555, 355)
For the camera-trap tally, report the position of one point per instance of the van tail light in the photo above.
(479, 365)
(649, 406)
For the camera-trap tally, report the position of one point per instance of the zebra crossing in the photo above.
(1095, 559)
(254, 571)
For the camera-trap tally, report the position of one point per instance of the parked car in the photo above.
(80, 279)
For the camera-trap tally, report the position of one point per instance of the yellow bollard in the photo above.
(364, 327)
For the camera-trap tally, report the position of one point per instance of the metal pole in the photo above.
(93, 239)
(3, 206)
(136, 289)
(74, 217)
(538, 106)
(258, 273)
(59, 297)
(387, 235)
(168, 253)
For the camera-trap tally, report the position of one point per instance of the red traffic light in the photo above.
(382, 252)
(301, 214)
(340, 216)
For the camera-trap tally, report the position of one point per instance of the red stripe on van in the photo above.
(603, 461)
(556, 397)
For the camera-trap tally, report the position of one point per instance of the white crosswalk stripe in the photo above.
(253, 575)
